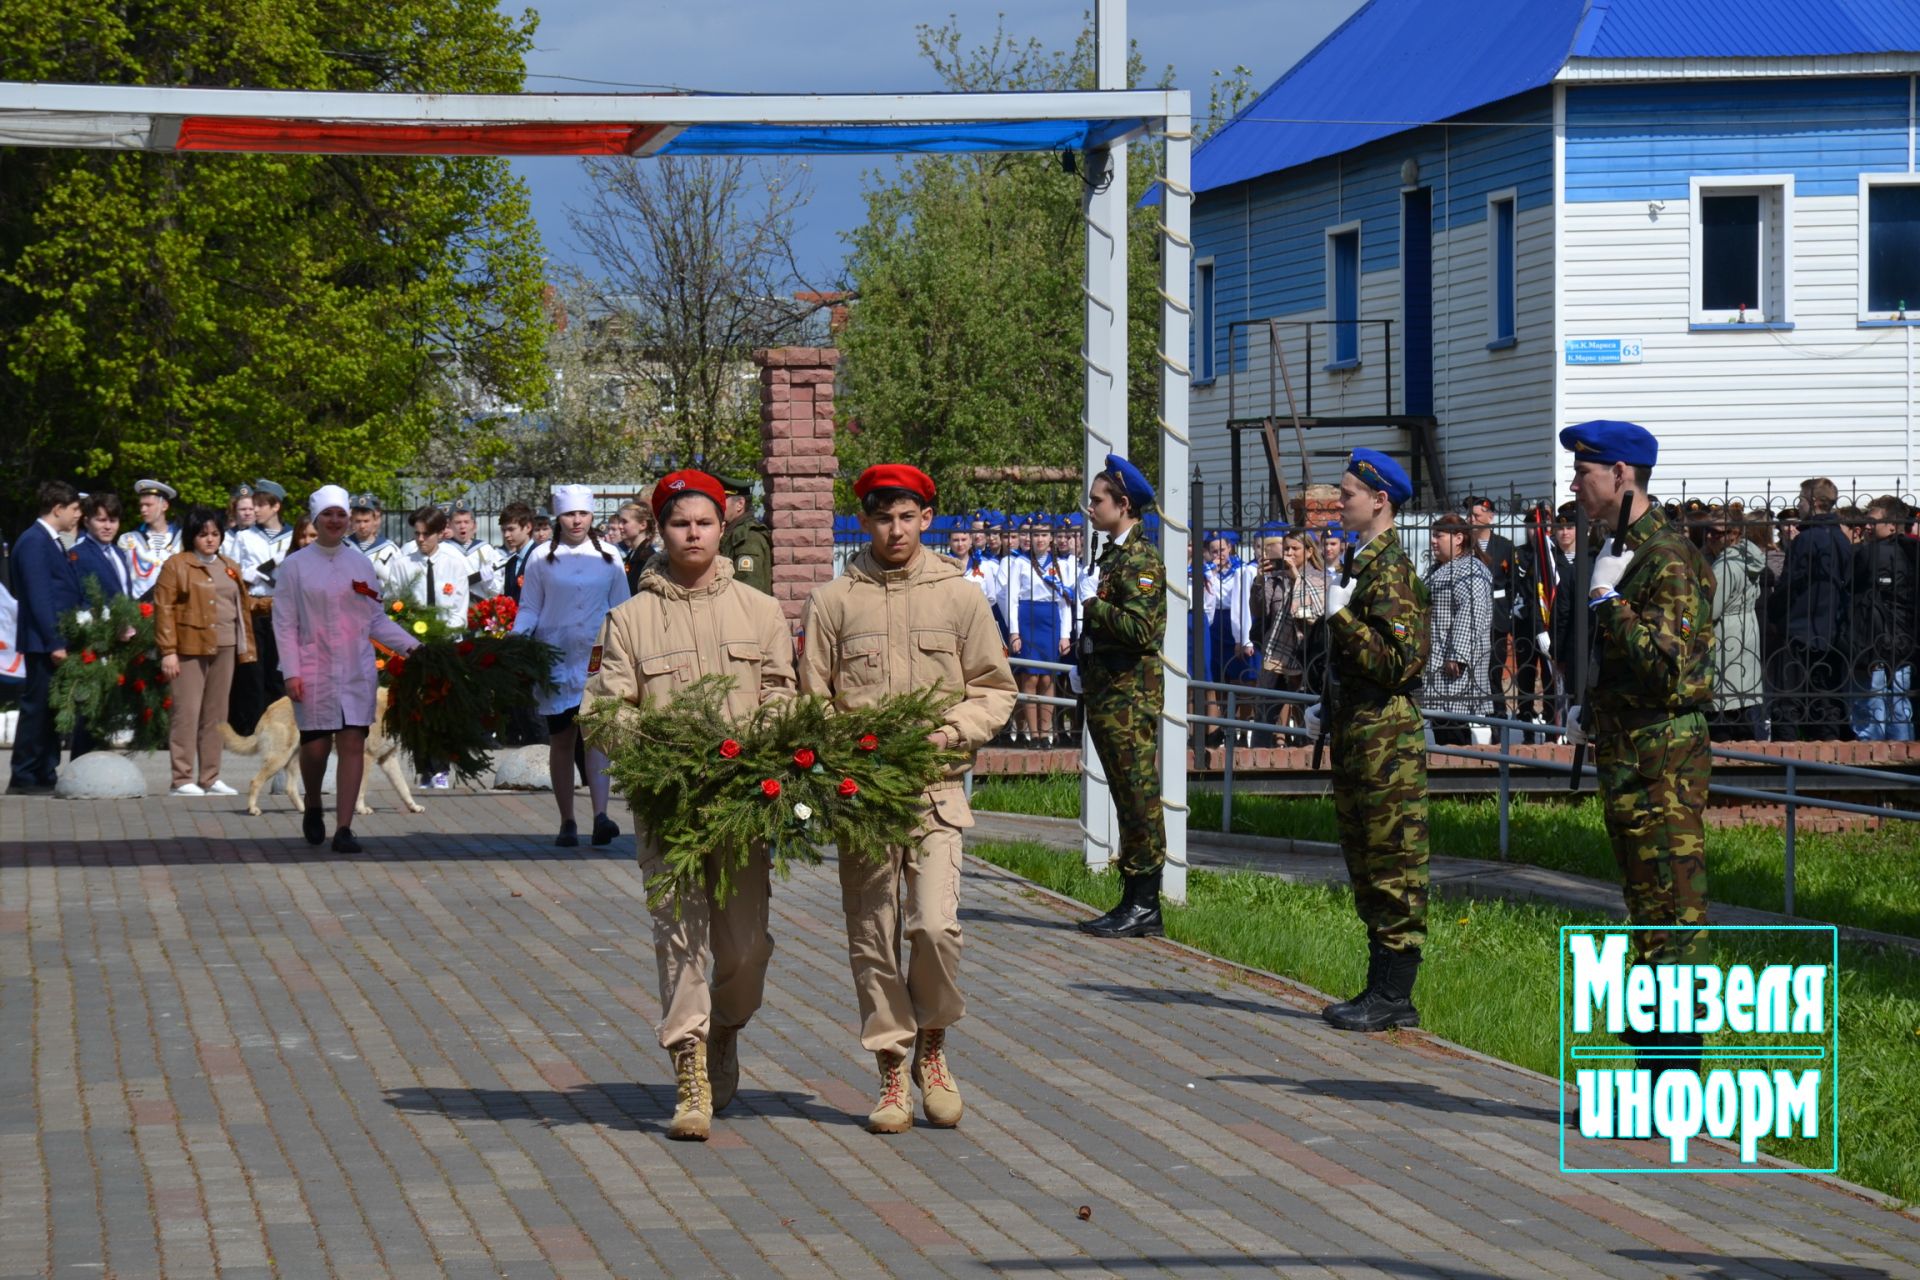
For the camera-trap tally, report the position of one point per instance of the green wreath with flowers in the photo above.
(111, 679)
(795, 775)
(446, 698)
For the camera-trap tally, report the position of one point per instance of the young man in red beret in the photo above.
(901, 618)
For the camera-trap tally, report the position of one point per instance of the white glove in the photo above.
(1313, 719)
(1609, 567)
(1339, 595)
(1543, 644)
(1575, 735)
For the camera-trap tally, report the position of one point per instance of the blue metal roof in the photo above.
(1398, 64)
(1747, 28)
(1393, 65)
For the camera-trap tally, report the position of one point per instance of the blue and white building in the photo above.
(1701, 215)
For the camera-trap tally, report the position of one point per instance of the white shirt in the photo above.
(483, 566)
(146, 549)
(327, 608)
(1027, 582)
(260, 552)
(564, 601)
(984, 574)
(1231, 590)
(448, 582)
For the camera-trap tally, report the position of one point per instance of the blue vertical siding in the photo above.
(1268, 236)
(1644, 141)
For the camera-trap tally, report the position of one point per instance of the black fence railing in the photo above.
(1815, 623)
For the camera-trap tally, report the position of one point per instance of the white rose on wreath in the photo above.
(84, 618)
(802, 812)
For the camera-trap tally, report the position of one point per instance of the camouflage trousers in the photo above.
(1123, 716)
(1380, 806)
(1653, 790)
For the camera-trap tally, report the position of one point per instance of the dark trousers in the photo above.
(36, 745)
(1810, 686)
(1738, 724)
(256, 685)
(1496, 675)
(1535, 681)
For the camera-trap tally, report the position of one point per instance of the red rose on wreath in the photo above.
(869, 743)
(89, 657)
(166, 703)
(146, 713)
(488, 659)
(848, 787)
(804, 757)
(729, 749)
(146, 608)
(139, 686)
(464, 648)
(120, 680)
(396, 664)
(770, 787)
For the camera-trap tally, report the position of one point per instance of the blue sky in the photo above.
(856, 46)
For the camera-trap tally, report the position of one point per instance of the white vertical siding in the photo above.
(1738, 412)
(1495, 407)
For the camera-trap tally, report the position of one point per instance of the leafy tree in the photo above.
(208, 318)
(963, 343)
(697, 269)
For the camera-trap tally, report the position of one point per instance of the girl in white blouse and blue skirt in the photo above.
(567, 589)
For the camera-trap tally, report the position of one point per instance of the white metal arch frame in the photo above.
(1099, 121)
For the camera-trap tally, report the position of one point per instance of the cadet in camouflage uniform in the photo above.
(1377, 629)
(746, 542)
(1122, 630)
(1652, 605)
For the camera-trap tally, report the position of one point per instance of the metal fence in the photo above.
(1816, 618)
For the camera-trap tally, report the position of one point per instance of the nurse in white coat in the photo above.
(327, 610)
(566, 591)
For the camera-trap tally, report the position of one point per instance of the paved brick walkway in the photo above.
(226, 1054)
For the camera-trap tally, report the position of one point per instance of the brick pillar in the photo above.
(1318, 507)
(796, 445)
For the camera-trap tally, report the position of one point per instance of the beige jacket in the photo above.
(874, 632)
(186, 613)
(666, 637)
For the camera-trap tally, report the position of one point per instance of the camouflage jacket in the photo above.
(1380, 640)
(1129, 614)
(1655, 642)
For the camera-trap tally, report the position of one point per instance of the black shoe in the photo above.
(569, 836)
(313, 825)
(1099, 924)
(30, 789)
(604, 829)
(343, 841)
(1376, 969)
(1139, 915)
(1390, 1003)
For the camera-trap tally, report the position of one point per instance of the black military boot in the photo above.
(1100, 923)
(1140, 911)
(1388, 1004)
(1376, 968)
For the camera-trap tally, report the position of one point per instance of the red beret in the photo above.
(676, 483)
(895, 475)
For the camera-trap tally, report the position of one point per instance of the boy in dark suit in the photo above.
(47, 585)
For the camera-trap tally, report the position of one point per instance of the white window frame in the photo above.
(1775, 304)
(1867, 182)
(1495, 338)
(1206, 355)
(1359, 292)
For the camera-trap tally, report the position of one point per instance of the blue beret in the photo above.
(1377, 471)
(1138, 491)
(1610, 442)
(1072, 520)
(1275, 529)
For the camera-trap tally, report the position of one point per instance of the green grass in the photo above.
(1310, 933)
(1868, 879)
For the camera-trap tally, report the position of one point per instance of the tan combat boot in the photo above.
(938, 1092)
(894, 1112)
(723, 1065)
(693, 1113)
